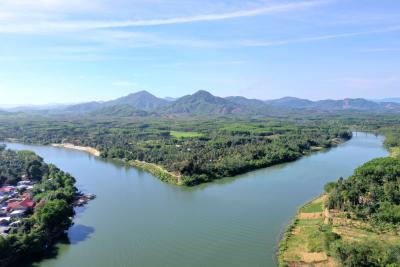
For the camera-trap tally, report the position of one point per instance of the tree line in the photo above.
(217, 147)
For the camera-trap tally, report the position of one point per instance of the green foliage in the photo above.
(55, 192)
(198, 149)
(13, 165)
(54, 214)
(392, 139)
(372, 191)
(367, 254)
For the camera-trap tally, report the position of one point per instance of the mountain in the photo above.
(290, 102)
(170, 99)
(246, 102)
(84, 107)
(349, 104)
(392, 100)
(35, 107)
(140, 100)
(202, 102)
(123, 110)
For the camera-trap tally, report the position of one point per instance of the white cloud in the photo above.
(318, 38)
(23, 25)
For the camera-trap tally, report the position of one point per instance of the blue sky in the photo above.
(55, 51)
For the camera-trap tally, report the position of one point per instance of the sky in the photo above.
(69, 51)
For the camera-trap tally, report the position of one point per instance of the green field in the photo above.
(185, 134)
(312, 207)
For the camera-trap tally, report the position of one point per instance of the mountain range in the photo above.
(143, 103)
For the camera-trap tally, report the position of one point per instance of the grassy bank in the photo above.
(316, 233)
(157, 171)
(303, 243)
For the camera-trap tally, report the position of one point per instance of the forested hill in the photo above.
(141, 101)
(204, 103)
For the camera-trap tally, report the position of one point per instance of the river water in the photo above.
(139, 221)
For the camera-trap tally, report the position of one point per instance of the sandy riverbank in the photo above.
(88, 149)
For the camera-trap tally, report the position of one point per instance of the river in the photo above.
(139, 221)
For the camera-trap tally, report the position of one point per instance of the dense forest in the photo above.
(53, 194)
(196, 150)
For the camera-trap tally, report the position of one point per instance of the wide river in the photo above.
(139, 221)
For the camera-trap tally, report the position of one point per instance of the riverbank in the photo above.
(238, 233)
(87, 149)
(177, 179)
(170, 177)
(317, 235)
(303, 242)
(35, 210)
(157, 171)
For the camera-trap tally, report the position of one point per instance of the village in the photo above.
(17, 202)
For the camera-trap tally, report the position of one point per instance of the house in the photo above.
(23, 205)
(17, 214)
(7, 189)
(27, 182)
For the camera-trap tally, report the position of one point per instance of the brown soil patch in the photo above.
(311, 257)
(314, 215)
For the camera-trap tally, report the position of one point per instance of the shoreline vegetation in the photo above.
(178, 179)
(356, 222)
(157, 171)
(197, 150)
(37, 201)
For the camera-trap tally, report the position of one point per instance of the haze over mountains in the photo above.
(143, 103)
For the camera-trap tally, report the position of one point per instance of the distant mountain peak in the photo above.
(142, 92)
(202, 92)
(203, 102)
(140, 100)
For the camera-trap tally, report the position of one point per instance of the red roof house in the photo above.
(7, 189)
(21, 205)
